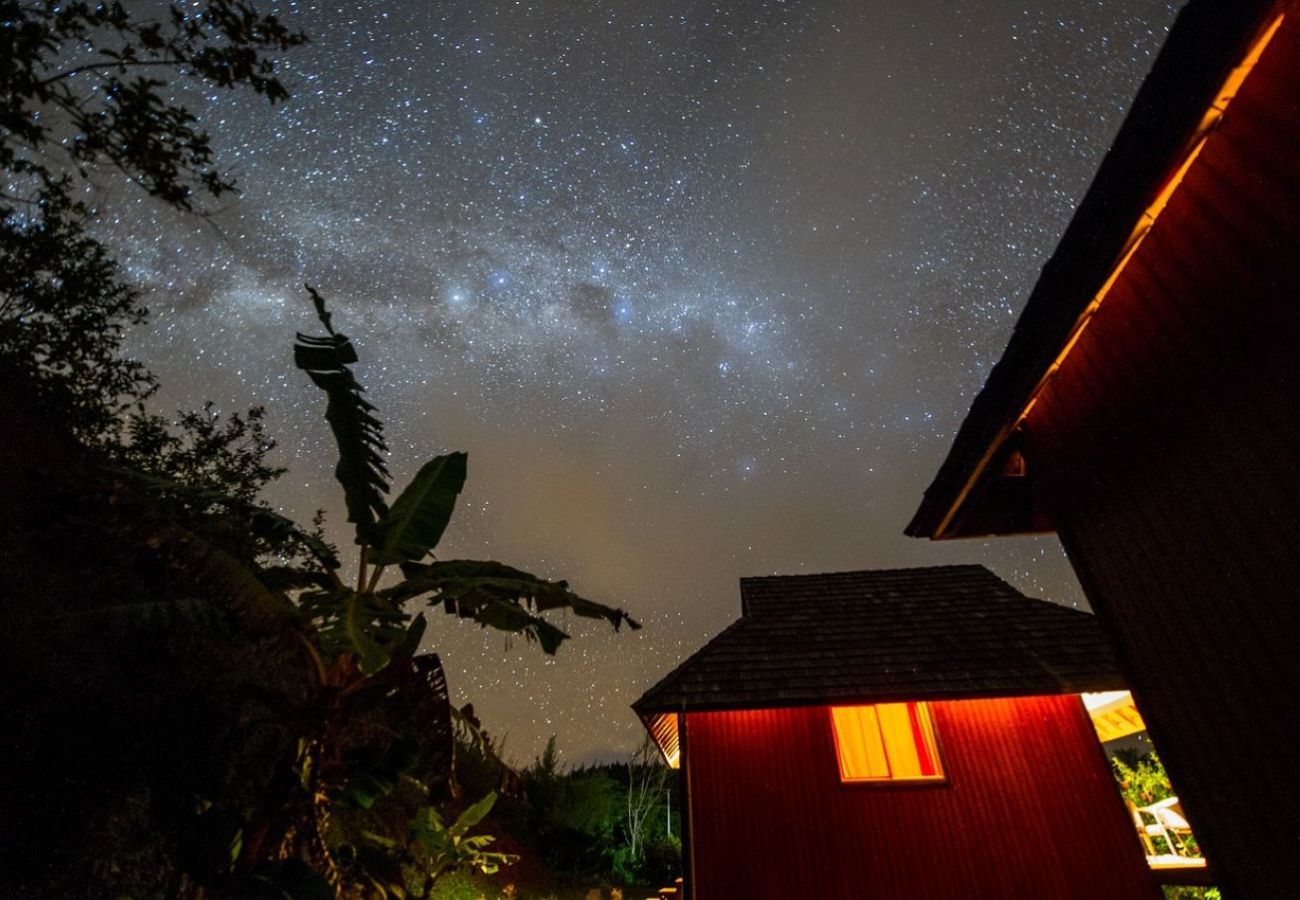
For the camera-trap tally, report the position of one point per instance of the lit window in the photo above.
(886, 742)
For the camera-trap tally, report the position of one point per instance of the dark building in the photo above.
(1147, 410)
(912, 733)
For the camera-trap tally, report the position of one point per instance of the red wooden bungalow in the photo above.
(1147, 410)
(911, 733)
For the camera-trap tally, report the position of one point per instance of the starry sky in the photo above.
(704, 290)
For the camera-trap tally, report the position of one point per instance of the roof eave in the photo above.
(1205, 43)
(1102, 682)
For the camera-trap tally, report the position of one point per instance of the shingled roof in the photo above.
(942, 632)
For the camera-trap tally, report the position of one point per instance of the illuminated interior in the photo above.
(1114, 714)
(886, 742)
(663, 729)
(1162, 829)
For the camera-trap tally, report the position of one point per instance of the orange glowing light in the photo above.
(886, 742)
(1213, 115)
(1114, 714)
(665, 730)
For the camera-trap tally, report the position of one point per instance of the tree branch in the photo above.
(121, 65)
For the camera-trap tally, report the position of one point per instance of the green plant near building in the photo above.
(1141, 776)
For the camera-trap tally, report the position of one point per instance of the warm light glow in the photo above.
(1170, 861)
(1149, 216)
(1213, 115)
(1102, 698)
(1114, 714)
(663, 729)
(886, 742)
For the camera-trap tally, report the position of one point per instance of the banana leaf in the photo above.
(460, 582)
(359, 435)
(417, 519)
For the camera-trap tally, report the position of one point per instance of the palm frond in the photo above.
(218, 577)
(167, 614)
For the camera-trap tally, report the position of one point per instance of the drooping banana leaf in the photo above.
(359, 435)
(499, 596)
(417, 519)
(491, 607)
(422, 690)
(399, 729)
(505, 614)
(538, 593)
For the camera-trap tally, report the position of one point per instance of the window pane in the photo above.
(886, 742)
(861, 748)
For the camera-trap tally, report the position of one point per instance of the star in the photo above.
(704, 290)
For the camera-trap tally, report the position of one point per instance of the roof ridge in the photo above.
(946, 567)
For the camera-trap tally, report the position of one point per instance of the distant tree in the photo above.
(64, 310)
(572, 814)
(644, 802)
(647, 781)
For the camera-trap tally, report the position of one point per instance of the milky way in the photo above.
(704, 291)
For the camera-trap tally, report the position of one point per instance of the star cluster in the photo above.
(703, 289)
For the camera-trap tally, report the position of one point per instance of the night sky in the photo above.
(705, 291)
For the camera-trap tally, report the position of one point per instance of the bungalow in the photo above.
(907, 733)
(1147, 410)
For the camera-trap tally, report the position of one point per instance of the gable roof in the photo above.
(1208, 39)
(942, 632)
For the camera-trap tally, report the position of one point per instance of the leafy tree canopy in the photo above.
(83, 86)
(86, 92)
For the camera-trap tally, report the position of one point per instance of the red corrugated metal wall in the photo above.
(1030, 810)
(1168, 445)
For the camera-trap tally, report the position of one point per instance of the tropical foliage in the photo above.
(570, 825)
(361, 641)
(1142, 777)
(136, 659)
(202, 704)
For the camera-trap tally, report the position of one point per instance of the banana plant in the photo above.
(358, 808)
(362, 637)
(370, 621)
